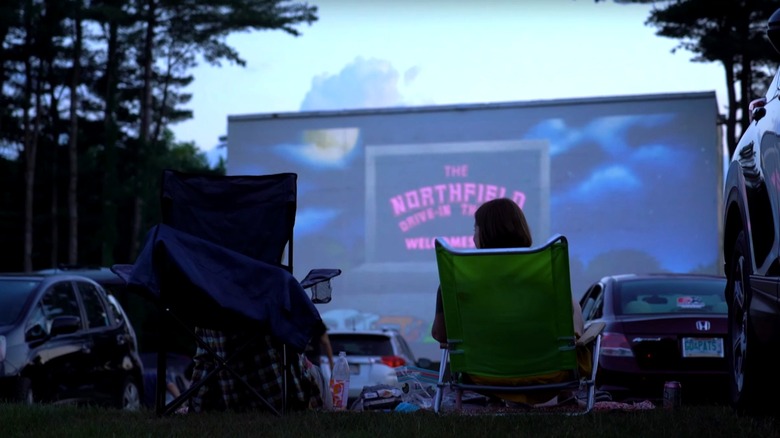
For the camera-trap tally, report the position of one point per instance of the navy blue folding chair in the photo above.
(218, 261)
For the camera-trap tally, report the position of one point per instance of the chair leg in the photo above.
(591, 396)
(592, 387)
(286, 367)
(440, 384)
(458, 399)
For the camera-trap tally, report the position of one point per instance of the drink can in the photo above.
(672, 395)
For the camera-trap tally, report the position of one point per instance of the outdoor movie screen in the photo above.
(633, 182)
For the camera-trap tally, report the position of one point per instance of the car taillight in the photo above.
(393, 361)
(615, 344)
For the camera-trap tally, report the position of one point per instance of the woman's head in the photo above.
(500, 223)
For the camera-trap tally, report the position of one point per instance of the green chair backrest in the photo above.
(508, 312)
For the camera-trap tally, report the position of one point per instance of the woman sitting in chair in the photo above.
(500, 223)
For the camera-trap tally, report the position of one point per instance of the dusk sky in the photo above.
(364, 54)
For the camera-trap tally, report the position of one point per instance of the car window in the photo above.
(404, 347)
(591, 303)
(37, 318)
(671, 296)
(93, 305)
(361, 344)
(14, 293)
(60, 300)
(118, 314)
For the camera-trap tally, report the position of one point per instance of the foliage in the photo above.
(90, 89)
(730, 32)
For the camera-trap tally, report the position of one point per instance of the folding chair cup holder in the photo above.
(509, 318)
(219, 256)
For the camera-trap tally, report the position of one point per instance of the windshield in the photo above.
(660, 296)
(14, 293)
(361, 345)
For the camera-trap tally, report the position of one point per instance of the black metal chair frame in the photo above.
(168, 317)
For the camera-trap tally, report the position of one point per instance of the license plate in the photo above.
(702, 347)
(354, 369)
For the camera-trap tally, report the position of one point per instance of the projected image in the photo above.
(633, 184)
(444, 185)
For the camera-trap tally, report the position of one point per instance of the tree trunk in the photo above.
(30, 153)
(110, 180)
(29, 169)
(73, 171)
(145, 130)
(54, 119)
(30, 142)
(731, 119)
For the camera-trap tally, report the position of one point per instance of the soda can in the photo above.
(672, 395)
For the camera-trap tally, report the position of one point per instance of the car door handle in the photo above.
(85, 348)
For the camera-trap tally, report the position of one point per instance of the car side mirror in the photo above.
(773, 30)
(35, 333)
(63, 325)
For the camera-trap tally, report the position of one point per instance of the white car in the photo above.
(372, 355)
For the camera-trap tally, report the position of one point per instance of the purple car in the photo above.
(660, 328)
(751, 251)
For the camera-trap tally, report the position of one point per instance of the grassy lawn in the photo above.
(68, 421)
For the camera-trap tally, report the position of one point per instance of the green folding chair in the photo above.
(508, 314)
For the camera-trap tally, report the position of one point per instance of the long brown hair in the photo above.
(502, 224)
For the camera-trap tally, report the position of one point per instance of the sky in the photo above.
(383, 53)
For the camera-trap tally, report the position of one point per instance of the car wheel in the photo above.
(129, 396)
(23, 392)
(749, 381)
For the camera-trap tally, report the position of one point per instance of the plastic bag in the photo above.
(418, 385)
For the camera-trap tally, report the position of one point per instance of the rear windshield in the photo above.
(663, 296)
(14, 293)
(361, 344)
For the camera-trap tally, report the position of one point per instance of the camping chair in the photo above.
(508, 314)
(217, 261)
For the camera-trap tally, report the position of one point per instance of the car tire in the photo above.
(23, 391)
(750, 387)
(129, 397)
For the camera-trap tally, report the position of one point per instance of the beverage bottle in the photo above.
(339, 382)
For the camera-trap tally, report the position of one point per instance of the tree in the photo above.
(175, 33)
(89, 91)
(73, 143)
(730, 32)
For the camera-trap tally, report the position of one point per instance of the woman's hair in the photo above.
(502, 224)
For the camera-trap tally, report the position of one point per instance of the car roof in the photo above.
(100, 274)
(384, 332)
(46, 277)
(660, 275)
(23, 275)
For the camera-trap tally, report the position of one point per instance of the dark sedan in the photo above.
(62, 339)
(660, 327)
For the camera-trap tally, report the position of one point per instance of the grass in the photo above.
(69, 421)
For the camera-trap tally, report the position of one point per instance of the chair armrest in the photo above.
(590, 334)
(319, 275)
